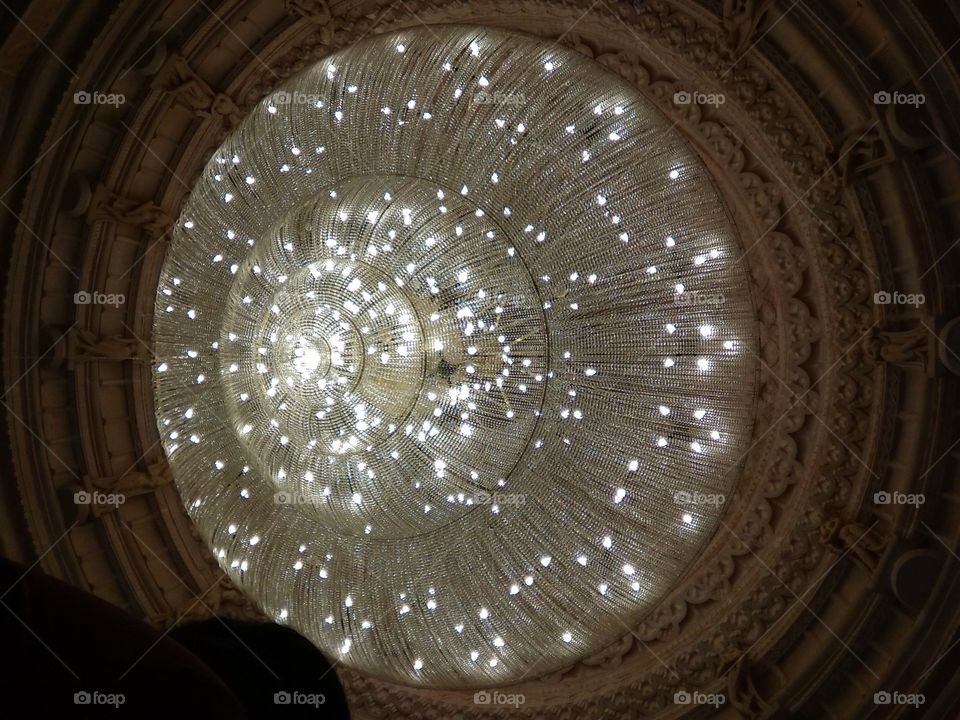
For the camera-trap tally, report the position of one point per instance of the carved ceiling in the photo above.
(830, 131)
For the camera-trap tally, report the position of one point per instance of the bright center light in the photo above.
(306, 359)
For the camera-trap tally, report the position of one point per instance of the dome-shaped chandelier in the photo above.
(455, 356)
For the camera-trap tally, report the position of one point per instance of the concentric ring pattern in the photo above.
(455, 356)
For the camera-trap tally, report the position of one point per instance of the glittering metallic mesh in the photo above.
(455, 356)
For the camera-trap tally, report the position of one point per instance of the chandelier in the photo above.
(455, 356)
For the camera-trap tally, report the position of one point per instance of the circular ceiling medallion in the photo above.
(455, 356)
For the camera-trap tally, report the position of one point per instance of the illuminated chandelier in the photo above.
(455, 356)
